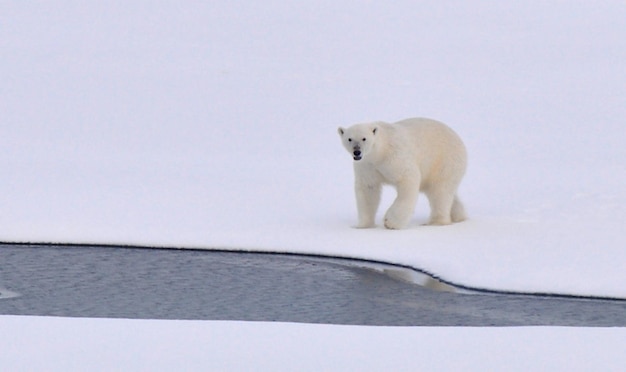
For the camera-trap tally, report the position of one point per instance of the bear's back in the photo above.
(433, 144)
(429, 132)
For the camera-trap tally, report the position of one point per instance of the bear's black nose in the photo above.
(357, 153)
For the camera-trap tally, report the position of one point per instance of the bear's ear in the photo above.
(340, 130)
(374, 130)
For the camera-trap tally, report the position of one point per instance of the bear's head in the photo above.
(358, 139)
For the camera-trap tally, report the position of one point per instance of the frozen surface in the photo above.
(213, 125)
(75, 344)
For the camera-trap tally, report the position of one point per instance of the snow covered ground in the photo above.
(70, 344)
(214, 125)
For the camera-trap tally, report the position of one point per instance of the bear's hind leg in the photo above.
(441, 204)
(458, 211)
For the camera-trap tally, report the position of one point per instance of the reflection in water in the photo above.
(5, 293)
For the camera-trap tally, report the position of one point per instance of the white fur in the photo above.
(413, 155)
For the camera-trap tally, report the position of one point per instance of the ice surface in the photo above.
(213, 125)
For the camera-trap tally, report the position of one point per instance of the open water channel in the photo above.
(193, 284)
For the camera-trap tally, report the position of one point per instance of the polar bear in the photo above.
(413, 155)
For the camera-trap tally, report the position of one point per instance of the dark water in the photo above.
(183, 284)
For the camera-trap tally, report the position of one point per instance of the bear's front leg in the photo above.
(367, 201)
(399, 214)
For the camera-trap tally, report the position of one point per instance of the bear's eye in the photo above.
(349, 139)
(364, 139)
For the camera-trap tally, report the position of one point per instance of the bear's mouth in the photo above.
(357, 157)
